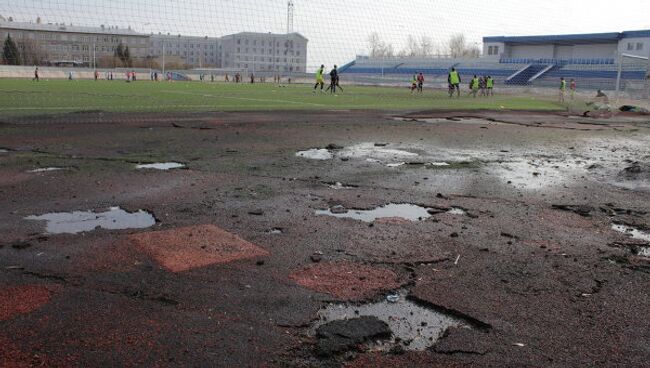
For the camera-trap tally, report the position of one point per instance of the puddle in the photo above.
(47, 169)
(339, 186)
(538, 174)
(409, 212)
(472, 121)
(371, 151)
(76, 222)
(634, 234)
(396, 164)
(413, 327)
(161, 166)
(437, 164)
(3, 150)
(457, 211)
(316, 154)
(275, 231)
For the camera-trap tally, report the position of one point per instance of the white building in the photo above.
(61, 43)
(201, 52)
(568, 47)
(265, 52)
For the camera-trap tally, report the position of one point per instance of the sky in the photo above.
(338, 30)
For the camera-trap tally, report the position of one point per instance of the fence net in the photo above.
(372, 43)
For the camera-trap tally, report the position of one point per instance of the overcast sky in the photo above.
(338, 30)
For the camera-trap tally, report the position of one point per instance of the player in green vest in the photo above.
(474, 86)
(319, 78)
(490, 86)
(562, 89)
(454, 83)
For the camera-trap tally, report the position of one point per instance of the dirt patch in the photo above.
(25, 299)
(346, 280)
(191, 247)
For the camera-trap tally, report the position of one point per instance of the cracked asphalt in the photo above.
(238, 265)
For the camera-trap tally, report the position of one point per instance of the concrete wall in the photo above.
(486, 48)
(594, 51)
(531, 51)
(645, 51)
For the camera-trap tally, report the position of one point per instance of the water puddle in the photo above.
(372, 151)
(437, 164)
(539, 174)
(398, 164)
(457, 211)
(2, 150)
(409, 212)
(340, 186)
(46, 169)
(160, 166)
(275, 231)
(632, 232)
(471, 121)
(76, 222)
(413, 327)
(316, 154)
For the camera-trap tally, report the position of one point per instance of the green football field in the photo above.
(21, 97)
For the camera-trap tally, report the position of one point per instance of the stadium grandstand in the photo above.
(592, 59)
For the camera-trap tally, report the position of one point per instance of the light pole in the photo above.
(163, 59)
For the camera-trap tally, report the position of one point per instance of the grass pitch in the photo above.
(24, 97)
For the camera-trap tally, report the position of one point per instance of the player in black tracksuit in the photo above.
(334, 80)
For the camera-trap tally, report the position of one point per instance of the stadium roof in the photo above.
(68, 28)
(571, 39)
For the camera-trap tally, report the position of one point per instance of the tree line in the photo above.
(456, 47)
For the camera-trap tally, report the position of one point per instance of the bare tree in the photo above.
(426, 46)
(32, 52)
(458, 47)
(377, 46)
(412, 47)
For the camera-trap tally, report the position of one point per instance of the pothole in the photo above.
(275, 231)
(633, 232)
(457, 211)
(47, 169)
(538, 174)
(472, 121)
(413, 327)
(338, 186)
(160, 166)
(372, 151)
(405, 211)
(76, 222)
(316, 154)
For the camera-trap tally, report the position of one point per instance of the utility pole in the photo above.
(163, 58)
(290, 10)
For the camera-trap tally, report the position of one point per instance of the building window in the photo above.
(639, 46)
(630, 46)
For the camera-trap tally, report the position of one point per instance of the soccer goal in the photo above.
(633, 78)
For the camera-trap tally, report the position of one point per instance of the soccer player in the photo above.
(414, 83)
(334, 76)
(454, 82)
(482, 85)
(319, 79)
(490, 86)
(562, 89)
(36, 78)
(420, 82)
(474, 86)
(572, 87)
